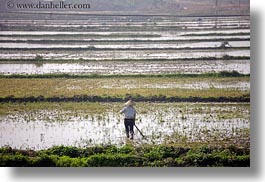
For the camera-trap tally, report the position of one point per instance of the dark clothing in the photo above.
(129, 123)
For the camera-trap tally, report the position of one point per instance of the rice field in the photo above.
(139, 39)
(86, 124)
(64, 79)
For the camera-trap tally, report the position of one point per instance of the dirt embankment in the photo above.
(88, 98)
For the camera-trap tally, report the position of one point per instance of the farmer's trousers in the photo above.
(129, 123)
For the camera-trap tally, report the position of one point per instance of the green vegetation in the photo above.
(36, 59)
(142, 108)
(118, 87)
(128, 156)
(87, 107)
(137, 98)
(202, 75)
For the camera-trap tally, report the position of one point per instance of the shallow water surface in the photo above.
(126, 67)
(162, 123)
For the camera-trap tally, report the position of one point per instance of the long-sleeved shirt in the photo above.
(129, 112)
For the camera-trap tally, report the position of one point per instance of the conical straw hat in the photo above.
(129, 103)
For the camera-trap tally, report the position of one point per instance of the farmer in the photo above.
(129, 120)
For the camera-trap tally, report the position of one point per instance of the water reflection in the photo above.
(123, 67)
(196, 123)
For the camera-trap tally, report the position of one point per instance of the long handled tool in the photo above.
(139, 131)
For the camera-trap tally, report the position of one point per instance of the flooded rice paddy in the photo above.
(82, 44)
(126, 37)
(128, 45)
(122, 54)
(112, 22)
(124, 67)
(241, 85)
(160, 122)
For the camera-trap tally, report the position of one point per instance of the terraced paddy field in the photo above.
(64, 79)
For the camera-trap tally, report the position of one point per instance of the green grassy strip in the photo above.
(203, 75)
(128, 156)
(137, 98)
